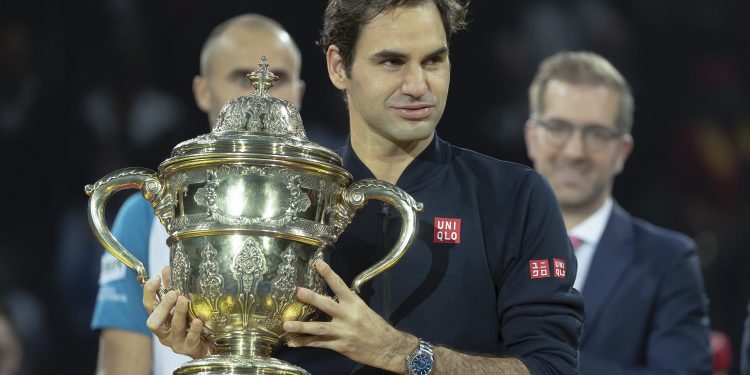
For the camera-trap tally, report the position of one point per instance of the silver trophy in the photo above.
(249, 208)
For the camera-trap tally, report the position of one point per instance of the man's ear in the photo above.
(300, 92)
(201, 93)
(336, 68)
(624, 148)
(529, 134)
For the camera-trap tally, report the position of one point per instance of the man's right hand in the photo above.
(169, 320)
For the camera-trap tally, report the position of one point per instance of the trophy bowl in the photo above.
(249, 208)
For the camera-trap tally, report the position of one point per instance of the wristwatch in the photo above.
(421, 361)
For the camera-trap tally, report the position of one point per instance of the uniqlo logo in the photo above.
(559, 268)
(539, 269)
(447, 230)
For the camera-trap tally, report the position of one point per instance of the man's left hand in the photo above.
(355, 330)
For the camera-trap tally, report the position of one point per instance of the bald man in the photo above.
(231, 51)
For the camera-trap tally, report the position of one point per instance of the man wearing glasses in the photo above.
(646, 309)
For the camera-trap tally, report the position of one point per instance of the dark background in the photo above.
(90, 86)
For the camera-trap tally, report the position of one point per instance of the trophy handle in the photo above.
(129, 178)
(355, 197)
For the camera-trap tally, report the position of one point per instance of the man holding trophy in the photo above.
(490, 276)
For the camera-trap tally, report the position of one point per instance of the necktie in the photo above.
(575, 241)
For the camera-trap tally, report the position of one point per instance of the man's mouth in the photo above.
(571, 175)
(415, 111)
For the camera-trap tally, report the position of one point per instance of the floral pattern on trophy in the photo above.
(211, 283)
(260, 113)
(180, 269)
(248, 268)
(207, 196)
(314, 282)
(283, 287)
(309, 189)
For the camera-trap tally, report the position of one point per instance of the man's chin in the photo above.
(417, 133)
(573, 199)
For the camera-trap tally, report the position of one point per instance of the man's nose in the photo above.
(575, 147)
(414, 81)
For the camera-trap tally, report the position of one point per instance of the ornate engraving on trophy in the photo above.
(256, 115)
(180, 268)
(312, 279)
(284, 284)
(206, 196)
(210, 282)
(249, 266)
(234, 206)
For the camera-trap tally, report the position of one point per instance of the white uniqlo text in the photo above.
(559, 265)
(447, 230)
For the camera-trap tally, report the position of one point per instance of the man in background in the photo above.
(646, 308)
(231, 51)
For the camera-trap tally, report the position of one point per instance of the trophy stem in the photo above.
(248, 344)
(246, 354)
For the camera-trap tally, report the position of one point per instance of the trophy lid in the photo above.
(257, 125)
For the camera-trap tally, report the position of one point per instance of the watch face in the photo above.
(421, 364)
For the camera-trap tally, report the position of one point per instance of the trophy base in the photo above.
(230, 365)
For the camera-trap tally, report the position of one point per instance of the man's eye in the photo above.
(435, 60)
(242, 81)
(392, 62)
(558, 127)
(600, 134)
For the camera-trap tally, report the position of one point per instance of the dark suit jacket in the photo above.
(646, 307)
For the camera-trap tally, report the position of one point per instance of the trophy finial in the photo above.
(262, 79)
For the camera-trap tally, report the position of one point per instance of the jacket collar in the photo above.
(613, 256)
(421, 171)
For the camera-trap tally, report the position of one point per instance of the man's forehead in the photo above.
(239, 44)
(404, 30)
(562, 87)
(249, 44)
(579, 102)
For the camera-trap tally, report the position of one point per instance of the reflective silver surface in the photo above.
(249, 208)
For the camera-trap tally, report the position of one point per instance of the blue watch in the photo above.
(421, 361)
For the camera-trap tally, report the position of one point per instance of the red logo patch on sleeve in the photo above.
(559, 268)
(539, 269)
(447, 230)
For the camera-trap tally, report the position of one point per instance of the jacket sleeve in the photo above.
(540, 313)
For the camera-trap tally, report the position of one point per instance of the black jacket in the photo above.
(474, 294)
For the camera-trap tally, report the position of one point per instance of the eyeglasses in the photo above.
(595, 137)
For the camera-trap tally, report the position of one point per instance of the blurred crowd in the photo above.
(88, 87)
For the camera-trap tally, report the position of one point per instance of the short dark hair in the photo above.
(344, 19)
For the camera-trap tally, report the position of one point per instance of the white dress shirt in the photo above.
(589, 232)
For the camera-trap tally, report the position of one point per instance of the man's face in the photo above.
(580, 171)
(236, 53)
(399, 77)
